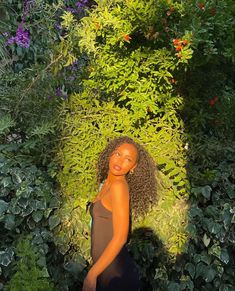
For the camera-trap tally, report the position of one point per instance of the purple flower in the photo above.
(70, 9)
(58, 92)
(58, 26)
(22, 37)
(81, 4)
(27, 4)
(10, 40)
(75, 63)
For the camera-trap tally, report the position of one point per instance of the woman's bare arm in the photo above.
(120, 213)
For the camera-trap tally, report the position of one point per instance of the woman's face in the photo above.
(123, 159)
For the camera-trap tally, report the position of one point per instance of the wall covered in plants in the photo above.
(75, 74)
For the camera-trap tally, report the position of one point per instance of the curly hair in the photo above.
(142, 182)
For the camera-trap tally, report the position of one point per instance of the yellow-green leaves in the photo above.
(129, 90)
(68, 20)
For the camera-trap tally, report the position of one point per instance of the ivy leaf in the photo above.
(209, 274)
(215, 250)
(173, 287)
(206, 240)
(75, 267)
(6, 257)
(233, 219)
(206, 192)
(53, 222)
(6, 181)
(37, 216)
(200, 270)
(224, 256)
(191, 269)
(42, 205)
(3, 206)
(9, 221)
(54, 203)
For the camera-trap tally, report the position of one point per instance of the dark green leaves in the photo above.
(53, 222)
(6, 257)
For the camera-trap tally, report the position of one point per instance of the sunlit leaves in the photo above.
(68, 19)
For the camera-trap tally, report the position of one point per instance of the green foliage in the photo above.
(28, 276)
(6, 122)
(153, 70)
(27, 201)
(42, 33)
(209, 260)
(82, 143)
(28, 110)
(141, 61)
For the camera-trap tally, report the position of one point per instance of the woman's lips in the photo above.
(117, 168)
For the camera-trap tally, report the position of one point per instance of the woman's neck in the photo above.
(112, 178)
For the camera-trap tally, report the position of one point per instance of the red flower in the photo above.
(127, 37)
(185, 42)
(213, 11)
(201, 6)
(213, 101)
(170, 11)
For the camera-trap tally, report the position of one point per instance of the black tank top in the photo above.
(122, 273)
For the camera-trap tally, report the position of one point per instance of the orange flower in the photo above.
(178, 48)
(97, 25)
(127, 37)
(185, 42)
(176, 41)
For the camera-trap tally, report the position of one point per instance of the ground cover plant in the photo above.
(77, 73)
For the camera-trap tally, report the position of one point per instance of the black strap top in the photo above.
(101, 228)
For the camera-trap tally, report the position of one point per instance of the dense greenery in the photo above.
(75, 74)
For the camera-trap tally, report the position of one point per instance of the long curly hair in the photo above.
(142, 182)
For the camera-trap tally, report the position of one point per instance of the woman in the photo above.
(129, 187)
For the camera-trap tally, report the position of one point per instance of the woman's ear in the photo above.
(132, 169)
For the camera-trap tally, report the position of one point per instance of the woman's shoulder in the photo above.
(120, 188)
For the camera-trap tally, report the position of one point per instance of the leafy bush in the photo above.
(141, 61)
(158, 71)
(26, 206)
(127, 89)
(208, 263)
(28, 276)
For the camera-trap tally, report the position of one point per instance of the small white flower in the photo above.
(186, 147)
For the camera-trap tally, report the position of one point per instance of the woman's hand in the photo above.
(89, 283)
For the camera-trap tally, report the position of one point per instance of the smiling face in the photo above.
(123, 159)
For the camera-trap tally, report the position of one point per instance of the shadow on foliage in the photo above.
(150, 255)
(209, 118)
